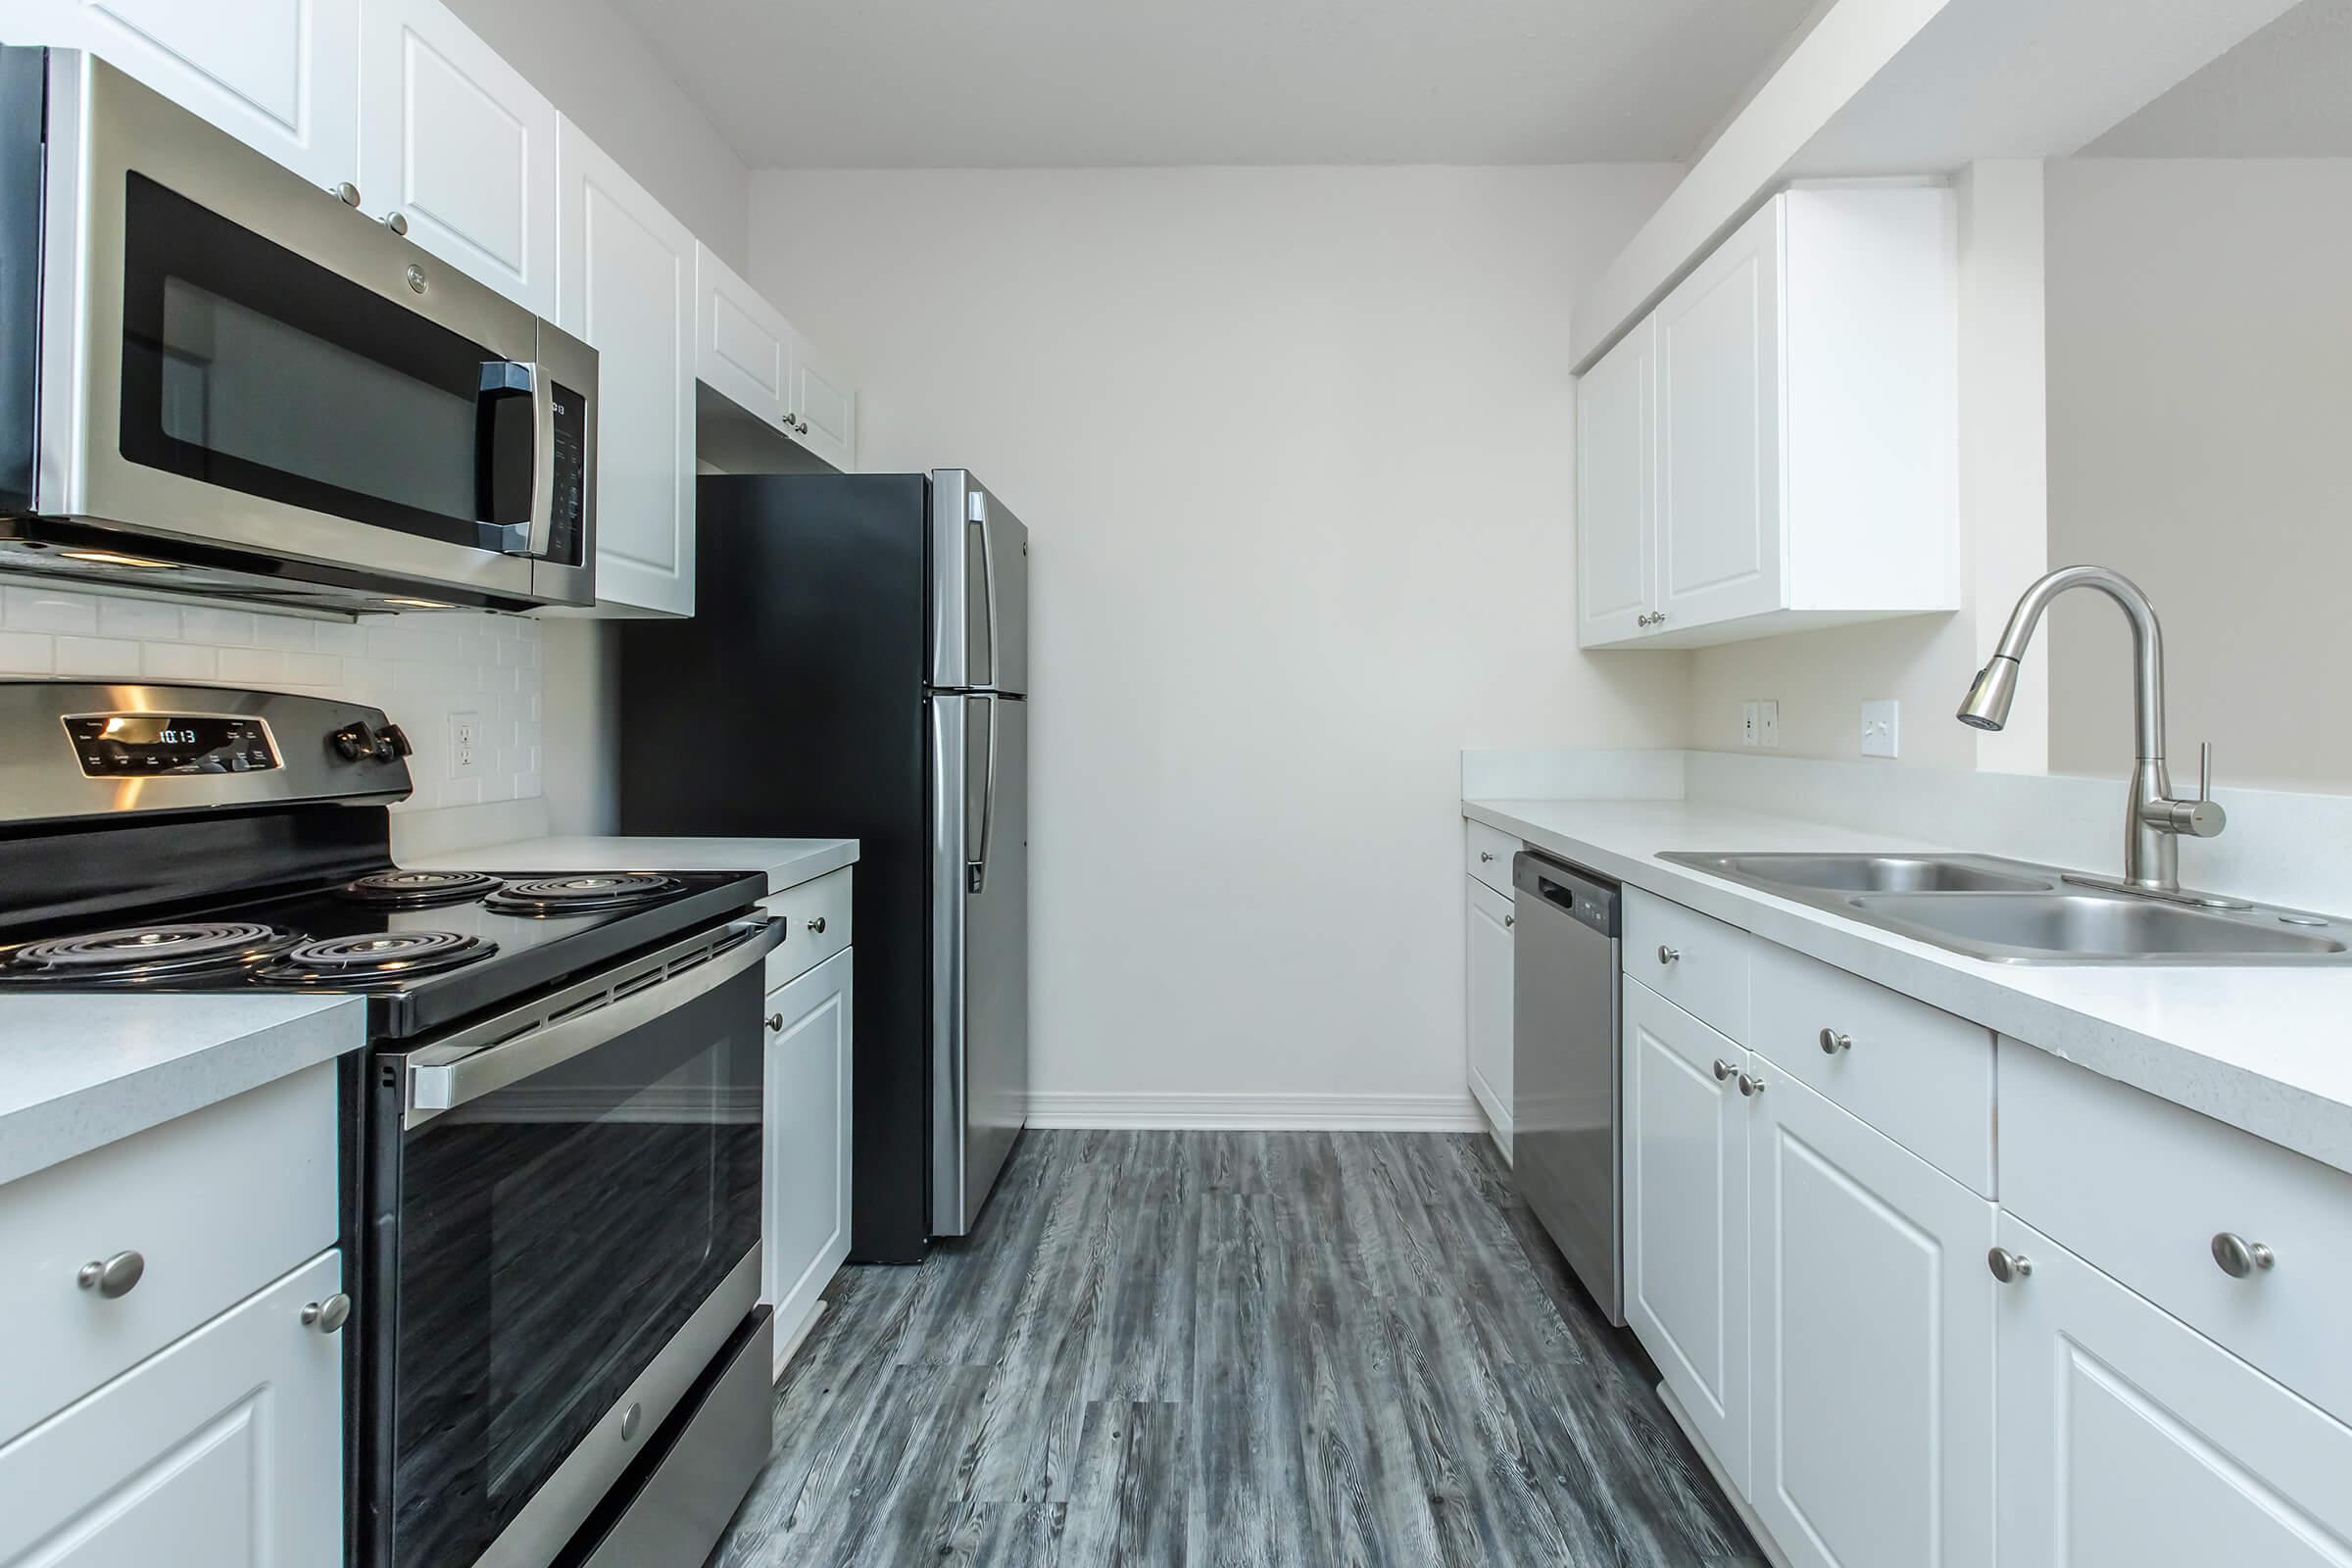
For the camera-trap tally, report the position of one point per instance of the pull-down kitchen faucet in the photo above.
(2153, 820)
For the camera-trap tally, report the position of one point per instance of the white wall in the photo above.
(2200, 317)
(419, 668)
(595, 67)
(1294, 449)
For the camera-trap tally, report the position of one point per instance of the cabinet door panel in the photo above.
(742, 347)
(626, 288)
(1719, 504)
(1686, 1244)
(1616, 478)
(280, 75)
(823, 401)
(1871, 1317)
(452, 138)
(805, 1179)
(1489, 1003)
(2126, 1437)
(226, 1449)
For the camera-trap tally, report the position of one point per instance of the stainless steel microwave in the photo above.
(218, 378)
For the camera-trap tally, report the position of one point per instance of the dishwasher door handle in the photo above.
(1554, 893)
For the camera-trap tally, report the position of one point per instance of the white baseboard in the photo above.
(1418, 1113)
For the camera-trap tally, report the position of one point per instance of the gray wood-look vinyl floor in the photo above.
(1255, 1350)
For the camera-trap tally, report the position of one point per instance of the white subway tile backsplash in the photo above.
(48, 610)
(286, 631)
(252, 667)
(138, 618)
(97, 656)
(26, 653)
(338, 637)
(313, 670)
(220, 627)
(179, 662)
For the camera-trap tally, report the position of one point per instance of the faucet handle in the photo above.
(2200, 818)
(2204, 770)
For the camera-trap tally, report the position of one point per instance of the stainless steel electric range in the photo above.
(552, 1145)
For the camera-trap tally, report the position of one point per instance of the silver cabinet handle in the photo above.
(329, 1315)
(775, 1024)
(1751, 1086)
(1509, 920)
(112, 1277)
(1723, 1069)
(2008, 1268)
(1832, 1042)
(817, 925)
(1486, 857)
(1667, 954)
(2239, 1258)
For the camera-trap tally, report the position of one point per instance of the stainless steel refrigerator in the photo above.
(858, 666)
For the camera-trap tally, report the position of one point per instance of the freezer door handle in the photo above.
(979, 789)
(976, 517)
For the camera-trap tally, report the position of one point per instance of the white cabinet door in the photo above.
(742, 348)
(805, 1179)
(1685, 1195)
(1871, 1327)
(1719, 501)
(282, 75)
(455, 141)
(2126, 1437)
(1616, 490)
(1490, 1005)
(624, 285)
(225, 1449)
(824, 407)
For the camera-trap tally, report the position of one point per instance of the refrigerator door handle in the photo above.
(976, 513)
(975, 873)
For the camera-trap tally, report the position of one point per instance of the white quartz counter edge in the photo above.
(2267, 1049)
(787, 862)
(79, 1072)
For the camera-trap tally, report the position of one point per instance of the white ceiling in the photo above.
(1011, 84)
(2284, 93)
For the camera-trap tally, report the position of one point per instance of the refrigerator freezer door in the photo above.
(979, 588)
(980, 949)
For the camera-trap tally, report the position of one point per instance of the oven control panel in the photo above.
(149, 745)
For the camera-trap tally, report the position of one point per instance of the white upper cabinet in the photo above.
(282, 75)
(625, 285)
(1774, 446)
(742, 345)
(824, 406)
(454, 140)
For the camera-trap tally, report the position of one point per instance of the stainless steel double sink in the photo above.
(2010, 912)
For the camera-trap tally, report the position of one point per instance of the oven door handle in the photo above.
(444, 1085)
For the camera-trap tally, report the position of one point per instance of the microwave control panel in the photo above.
(154, 745)
(571, 501)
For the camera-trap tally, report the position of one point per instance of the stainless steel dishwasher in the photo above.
(1565, 1145)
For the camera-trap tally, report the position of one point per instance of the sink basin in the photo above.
(1876, 873)
(2009, 912)
(2092, 925)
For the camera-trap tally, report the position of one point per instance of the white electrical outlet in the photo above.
(464, 745)
(1768, 725)
(1749, 722)
(1881, 729)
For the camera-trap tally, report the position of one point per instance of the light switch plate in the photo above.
(1882, 727)
(1750, 721)
(1768, 725)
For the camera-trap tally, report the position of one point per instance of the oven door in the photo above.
(565, 1206)
(237, 361)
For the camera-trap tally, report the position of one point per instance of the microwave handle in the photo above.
(506, 378)
(444, 1086)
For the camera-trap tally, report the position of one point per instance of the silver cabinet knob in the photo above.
(2239, 1258)
(775, 1024)
(112, 1277)
(397, 223)
(347, 193)
(1751, 1086)
(631, 1420)
(1832, 1042)
(1723, 1069)
(1509, 920)
(2008, 1268)
(817, 925)
(329, 1315)
(1486, 857)
(1667, 954)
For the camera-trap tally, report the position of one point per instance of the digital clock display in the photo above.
(154, 745)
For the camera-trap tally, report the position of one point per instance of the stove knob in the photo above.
(392, 742)
(353, 741)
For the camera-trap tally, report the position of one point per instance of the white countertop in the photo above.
(78, 1072)
(786, 862)
(2268, 1050)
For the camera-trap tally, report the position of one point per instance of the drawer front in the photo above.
(2141, 1187)
(216, 1204)
(1490, 856)
(1697, 963)
(816, 925)
(1919, 1075)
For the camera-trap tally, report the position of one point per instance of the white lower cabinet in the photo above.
(804, 1177)
(1686, 1132)
(1489, 969)
(225, 1449)
(1871, 1322)
(2126, 1437)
